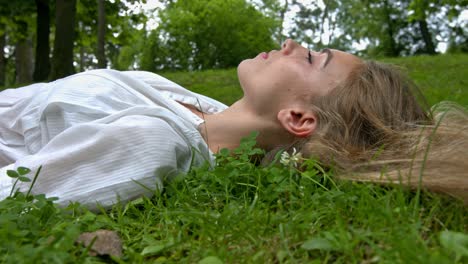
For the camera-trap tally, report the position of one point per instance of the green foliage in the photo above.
(17, 24)
(381, 23)
(16, 18)
(34, 230)
(122, 37)
(207, 34)
(391, 28)
(276, 10)
(311, 21)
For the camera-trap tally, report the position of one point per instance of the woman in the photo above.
(104, 134)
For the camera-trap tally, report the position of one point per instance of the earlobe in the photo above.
(298, 122)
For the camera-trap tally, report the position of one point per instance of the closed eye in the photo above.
(309, 57)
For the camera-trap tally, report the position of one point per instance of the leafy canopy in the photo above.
(207, 34)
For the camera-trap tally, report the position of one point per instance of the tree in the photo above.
(306, 24)
(2, 58)
(4, 25)
(381, 23)
(438, 20)
(101, 54)
(207, 34)
(42, 62)
(275, 10)
(420, 9)
(86, 34)
(18, 20)
(316, 24)
(391, 28)
(118, 31)
(62, 62)
(23, 53)
(16, 16)
(126, 38)
(456, 35)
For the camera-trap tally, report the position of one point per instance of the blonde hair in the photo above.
(376, 127)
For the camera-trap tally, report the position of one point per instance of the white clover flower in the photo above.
(291, 160)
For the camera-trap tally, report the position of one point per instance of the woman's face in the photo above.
(292, 76)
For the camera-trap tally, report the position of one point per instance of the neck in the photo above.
(227, 128)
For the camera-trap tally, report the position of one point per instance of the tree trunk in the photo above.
(427, 38)
(2, 59)
(392, 49)
(24, 62)
(62, 62)
(23, 55)
(42, 63)
(101, 54)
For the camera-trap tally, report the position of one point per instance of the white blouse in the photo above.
(101, 135)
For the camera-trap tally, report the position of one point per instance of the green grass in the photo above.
(240, 213)
(443, 77)
(221, 85)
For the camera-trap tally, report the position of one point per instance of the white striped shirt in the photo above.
(99, 132)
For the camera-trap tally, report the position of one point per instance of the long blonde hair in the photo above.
(376, 127)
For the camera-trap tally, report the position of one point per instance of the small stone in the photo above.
(107, 243)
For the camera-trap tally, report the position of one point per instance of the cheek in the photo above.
(326, 86)
(319, 84)
(294, 80)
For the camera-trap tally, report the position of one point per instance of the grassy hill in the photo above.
(241, 213)
(443, 77)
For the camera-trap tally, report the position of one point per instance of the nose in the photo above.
(288, 46)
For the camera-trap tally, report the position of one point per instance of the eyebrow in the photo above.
(329, 57)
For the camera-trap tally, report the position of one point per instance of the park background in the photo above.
(238, 212)
(45, 40)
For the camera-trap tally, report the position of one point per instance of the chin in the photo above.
(244, 71)
(246, 67)
(244, 64)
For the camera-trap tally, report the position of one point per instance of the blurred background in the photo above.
(48, 39)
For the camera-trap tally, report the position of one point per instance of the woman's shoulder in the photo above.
(177, 92)
(149, 82)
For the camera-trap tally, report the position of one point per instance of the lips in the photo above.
(264, 55)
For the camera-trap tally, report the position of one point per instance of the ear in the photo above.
(298, 122)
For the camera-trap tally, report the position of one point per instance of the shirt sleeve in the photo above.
(105, 162)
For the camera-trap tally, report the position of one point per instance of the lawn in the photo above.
(241, 213)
